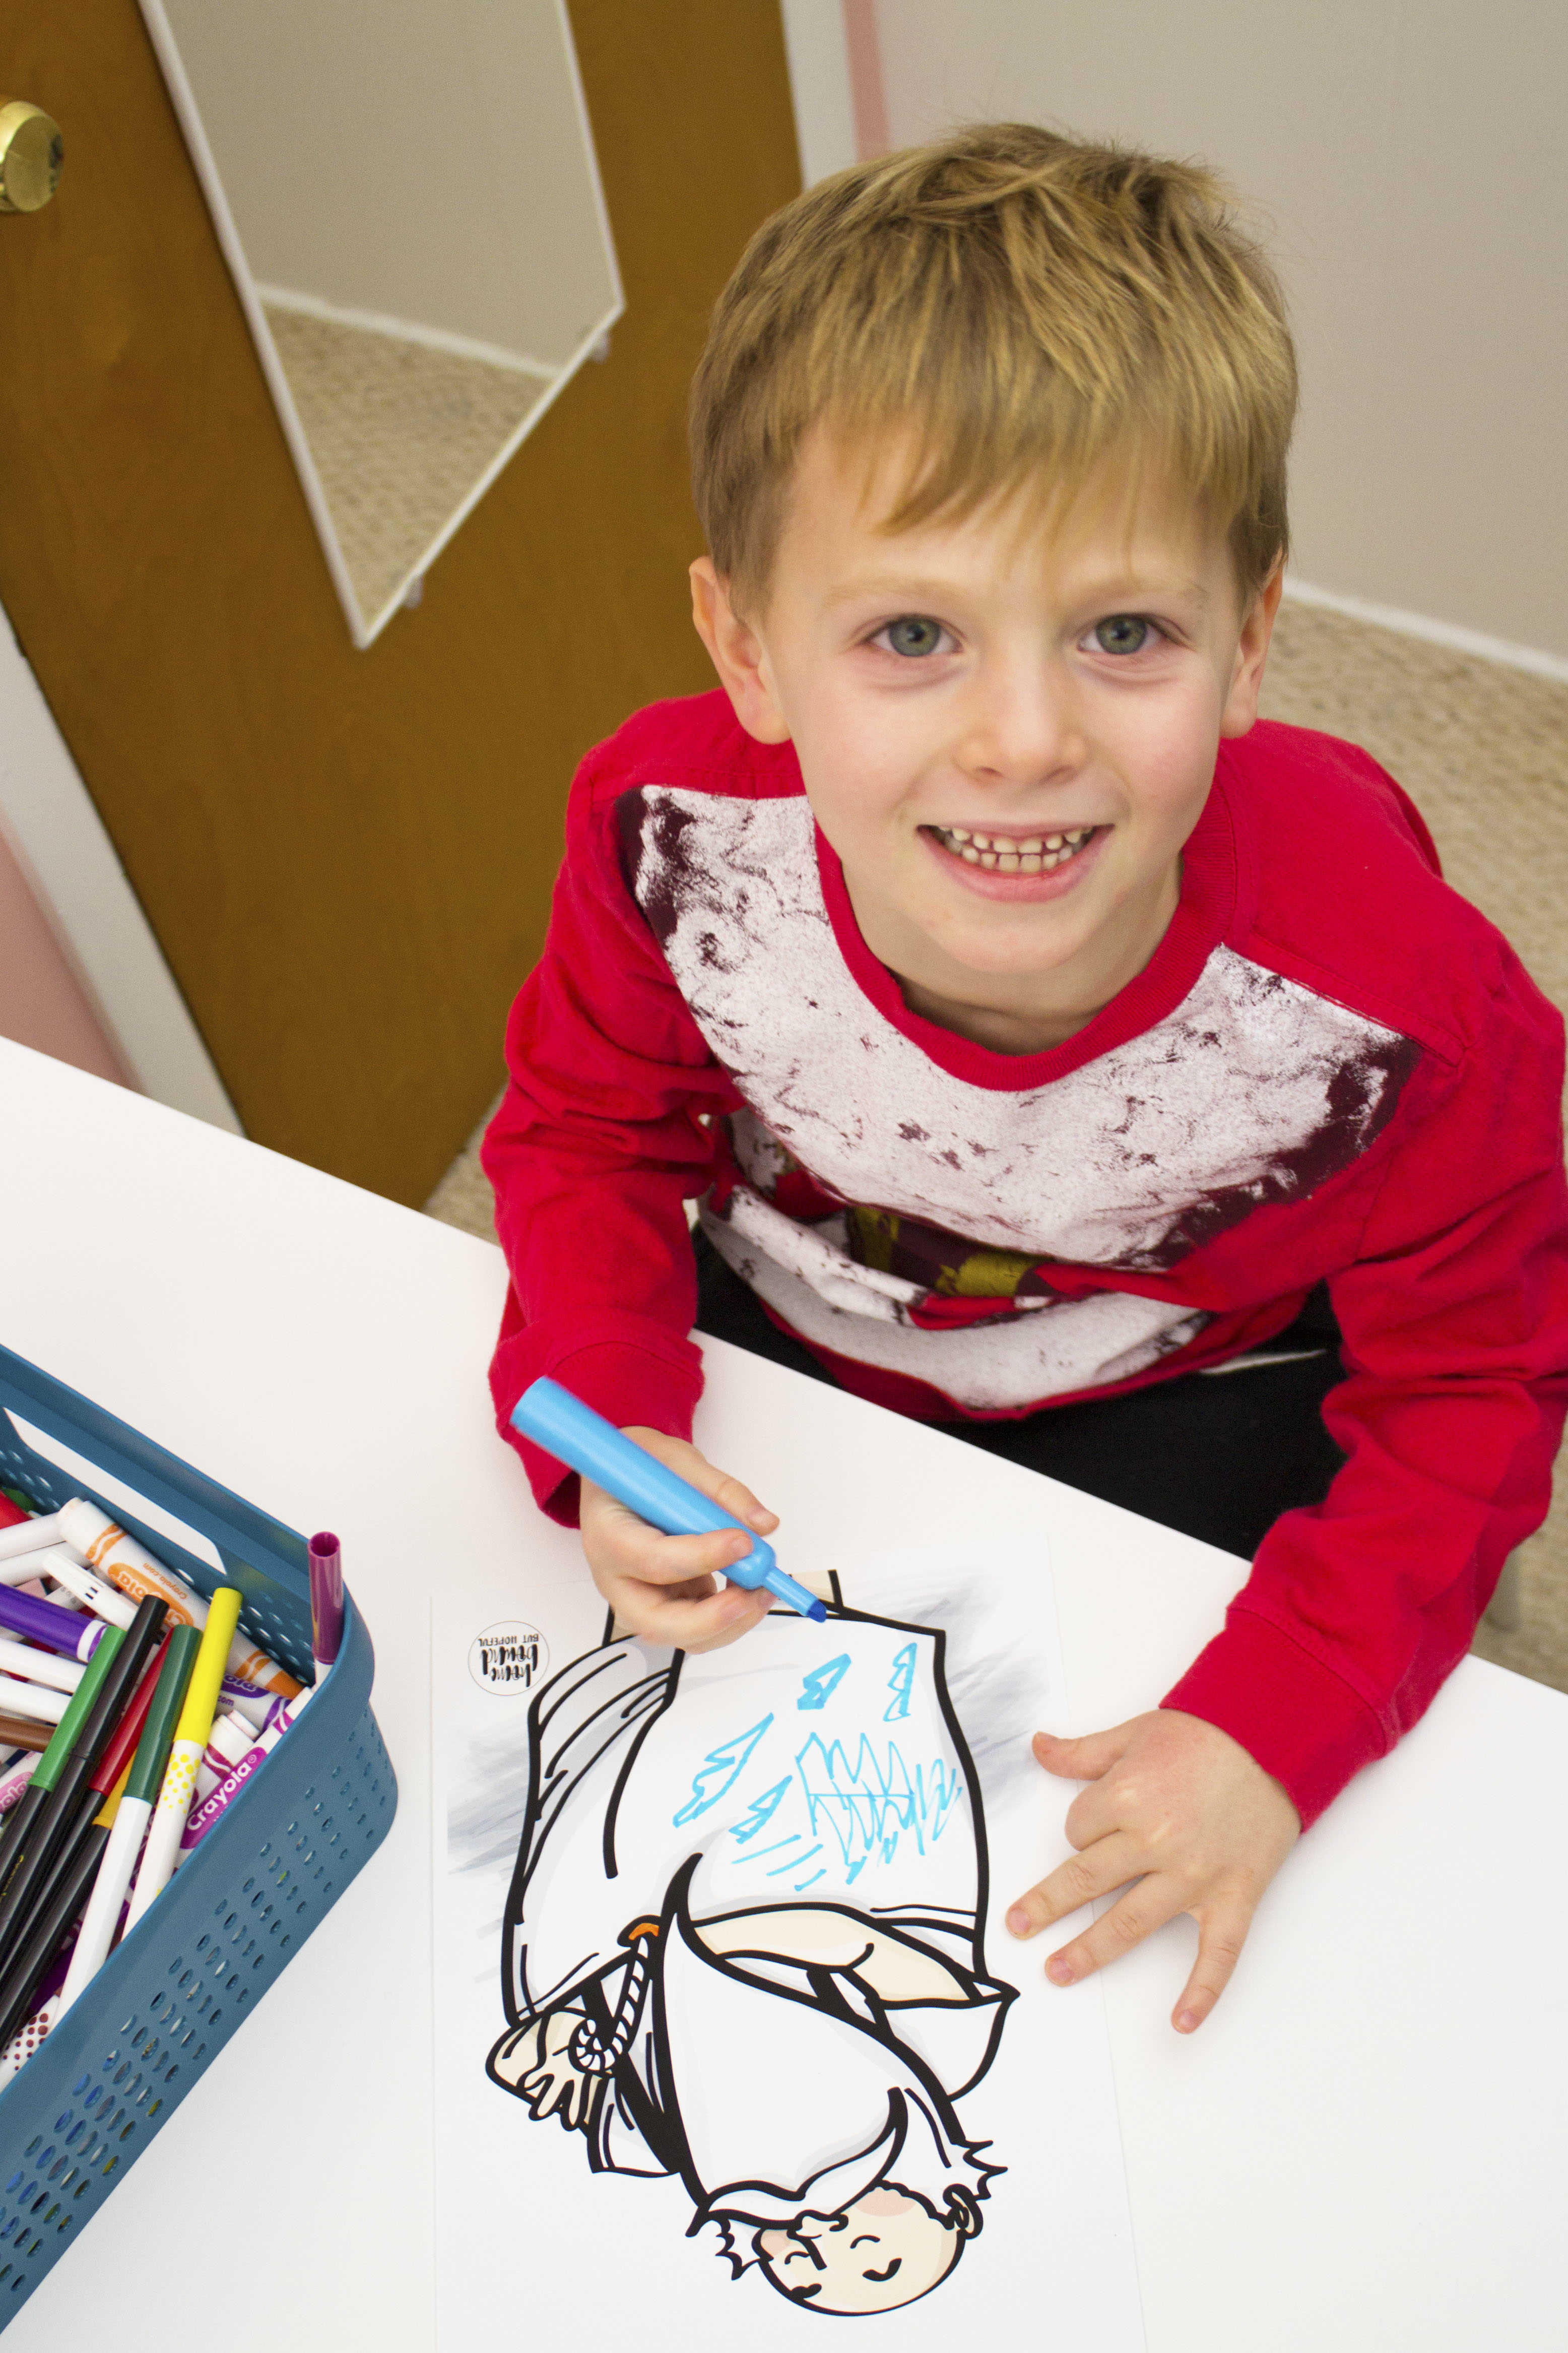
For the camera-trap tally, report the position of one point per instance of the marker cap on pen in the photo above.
(326, 1601)
(563, 1426)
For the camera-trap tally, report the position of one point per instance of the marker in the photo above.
(15, 1779)
(52, 1763)
(563, 1426)
(231, 1737)
(209, 1809)
(105, 1601)
(326, 1602)
(55, 1816)
(106, 1550)
(12, 1515)
(190, 1740)
(45, 1622)
(124, 1843)
(244, 1700)
(52, 1925)
(25, 1731)
(29, 1698)
(24, 1566)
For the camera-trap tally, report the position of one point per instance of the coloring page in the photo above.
(729, 2033)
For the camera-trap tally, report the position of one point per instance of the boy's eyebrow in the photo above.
(1112, 589)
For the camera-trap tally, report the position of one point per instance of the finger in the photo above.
(1156, 1898)
(1083, 1760)
(1222, 1932)
(687, 1621)
(730, 1493)
(1074, 1882)
(629, 1548)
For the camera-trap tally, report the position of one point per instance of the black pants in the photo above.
(1218, 1455)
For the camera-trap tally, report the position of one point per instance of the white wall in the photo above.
(418, 159)
(1415, 160)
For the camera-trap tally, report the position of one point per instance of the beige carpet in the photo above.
(1484, 753)
(400, 433)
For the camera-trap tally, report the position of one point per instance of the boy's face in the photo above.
(1006, 731)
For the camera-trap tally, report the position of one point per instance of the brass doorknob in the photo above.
(31, 152)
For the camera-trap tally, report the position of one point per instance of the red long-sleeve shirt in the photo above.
(1333, 1069)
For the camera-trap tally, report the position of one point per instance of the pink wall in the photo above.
(867, 91)
(42, 1003)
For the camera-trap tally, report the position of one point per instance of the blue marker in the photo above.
(563, 1426)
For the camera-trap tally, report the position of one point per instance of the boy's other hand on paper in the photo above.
(664, 1586)
(1178, 1808)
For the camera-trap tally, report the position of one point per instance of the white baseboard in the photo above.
(1435, 633)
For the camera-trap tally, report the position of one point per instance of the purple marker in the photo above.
(44, 1622)
(326, 1602)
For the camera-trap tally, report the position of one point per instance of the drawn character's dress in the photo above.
(818, 1767)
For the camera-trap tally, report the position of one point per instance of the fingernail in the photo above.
(1060, 1969)
(1185, 2021)
(1019, 1921)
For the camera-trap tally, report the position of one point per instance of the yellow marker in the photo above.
(190, 1737)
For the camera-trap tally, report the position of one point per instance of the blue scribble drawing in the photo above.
(776, 1991)
(818, 1686)
(901, 1682)
(869, 1806)
(763, 1809)
(731, 1760)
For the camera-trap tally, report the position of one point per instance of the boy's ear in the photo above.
(737, 655)
(1240, 710)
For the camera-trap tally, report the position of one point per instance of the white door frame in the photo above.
(69, 863)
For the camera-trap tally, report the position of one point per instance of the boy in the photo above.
(1043, 1036)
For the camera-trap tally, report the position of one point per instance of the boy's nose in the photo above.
(1021, 731)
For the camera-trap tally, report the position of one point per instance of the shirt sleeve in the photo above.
(1455, 1323)
(601, 1135)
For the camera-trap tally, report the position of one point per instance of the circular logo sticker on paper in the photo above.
(509, 1656)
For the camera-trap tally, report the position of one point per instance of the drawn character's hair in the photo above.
(1038, 313)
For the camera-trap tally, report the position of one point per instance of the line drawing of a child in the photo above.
(742, 1946)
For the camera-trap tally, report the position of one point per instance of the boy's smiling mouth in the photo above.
(1013, 853)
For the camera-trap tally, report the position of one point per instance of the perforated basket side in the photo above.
(108, 2079)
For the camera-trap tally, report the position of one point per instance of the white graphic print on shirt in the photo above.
(1253, 1089)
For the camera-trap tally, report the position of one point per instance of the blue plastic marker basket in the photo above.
(89, 2101)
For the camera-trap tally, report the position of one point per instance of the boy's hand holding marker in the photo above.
(635, 1481)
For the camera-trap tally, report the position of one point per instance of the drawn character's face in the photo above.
(883, 2251)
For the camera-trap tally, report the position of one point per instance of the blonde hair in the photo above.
(1038, 313)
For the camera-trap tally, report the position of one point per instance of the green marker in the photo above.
(53, 1761)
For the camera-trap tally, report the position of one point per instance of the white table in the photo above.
(1365, 2150)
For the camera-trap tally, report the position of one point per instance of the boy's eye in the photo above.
(1123, 633)
(914, 634)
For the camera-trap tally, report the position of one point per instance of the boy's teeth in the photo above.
(1038, 854)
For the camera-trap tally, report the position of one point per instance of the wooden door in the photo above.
(347, 857)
